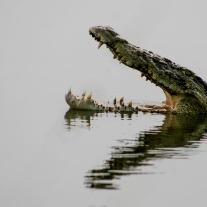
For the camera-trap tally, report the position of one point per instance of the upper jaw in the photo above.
(106, 35)
(168, 80)
(96, 32)
(99, 34)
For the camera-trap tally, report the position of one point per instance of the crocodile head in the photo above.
(185, 91)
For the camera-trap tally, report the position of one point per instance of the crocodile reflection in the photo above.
(177, 136)
(73, 114)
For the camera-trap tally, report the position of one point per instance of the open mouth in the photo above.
(147, 68)
(185, 92)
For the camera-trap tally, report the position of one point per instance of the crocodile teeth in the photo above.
(114, 101)
(121, 60)
(121, 100)
(100, 44)
(89, 96)
(84, 93)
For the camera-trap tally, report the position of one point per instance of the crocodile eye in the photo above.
(188, 73)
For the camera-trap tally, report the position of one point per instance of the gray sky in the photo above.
(50, 38)
(45, 49)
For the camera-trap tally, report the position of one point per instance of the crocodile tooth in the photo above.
(121, 100)
(136, 109)
(84, 93)
(142, 75)
(100, 44)
(122, 60)
(114, 101)
(89, 96)
(147, 79)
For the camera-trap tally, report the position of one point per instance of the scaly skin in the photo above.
(84, 103)
(185, 92)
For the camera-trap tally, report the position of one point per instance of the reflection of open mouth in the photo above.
(185, 92)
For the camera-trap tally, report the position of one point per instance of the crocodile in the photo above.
(185, 91)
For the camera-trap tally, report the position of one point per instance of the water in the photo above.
(140, 159)
(136, 151)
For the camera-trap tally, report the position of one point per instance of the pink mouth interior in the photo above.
(172, 100)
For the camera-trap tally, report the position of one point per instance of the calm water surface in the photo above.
(137, 144)
(51, 156)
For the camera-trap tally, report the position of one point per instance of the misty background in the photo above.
(45, 48)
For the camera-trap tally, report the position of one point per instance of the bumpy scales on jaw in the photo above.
(185, 92)
(88, 103)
